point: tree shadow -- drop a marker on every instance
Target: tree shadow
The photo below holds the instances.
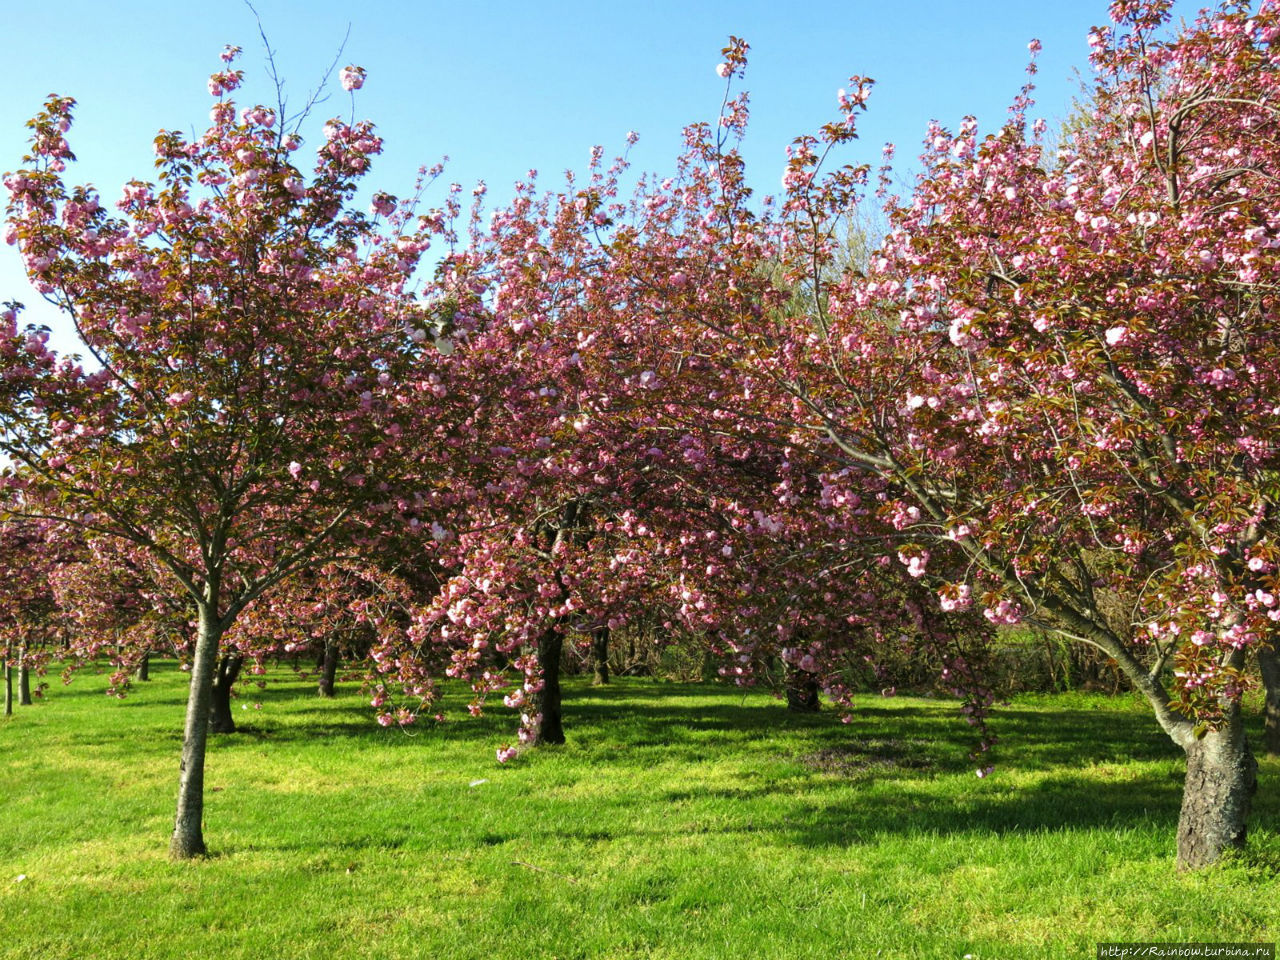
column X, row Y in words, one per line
column 803, row 779
column 1056, row 803
column 644, row 715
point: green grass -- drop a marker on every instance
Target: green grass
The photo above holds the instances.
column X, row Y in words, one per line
column 681, row 821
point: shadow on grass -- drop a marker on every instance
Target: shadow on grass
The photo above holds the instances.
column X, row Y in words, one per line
column 799, row 801
column 1056, row 803
column 805, row 779
column 848, row 815
column 836, row 817
column 648, row 714
column 612, row 723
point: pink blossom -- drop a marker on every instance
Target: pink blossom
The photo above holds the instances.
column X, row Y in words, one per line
column 352, row 77
column 955, row 598
column 915, row 562
column 1005, row 613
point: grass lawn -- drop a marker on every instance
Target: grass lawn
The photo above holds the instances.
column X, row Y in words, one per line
column 681, row 821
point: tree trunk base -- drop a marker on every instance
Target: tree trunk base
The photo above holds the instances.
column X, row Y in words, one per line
column 187, row 849
column 802, row 691
column 547, row 701
column 600, row 655
column 221, row 719
column 1221, row 781
column 24, row 686
column 328, row 670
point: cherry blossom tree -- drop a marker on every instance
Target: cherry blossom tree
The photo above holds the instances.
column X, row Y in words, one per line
column 631, row 492
column 1063, row 371
column 247, row 411
column 596, row 519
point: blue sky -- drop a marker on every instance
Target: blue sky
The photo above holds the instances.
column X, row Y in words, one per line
column 502, row 86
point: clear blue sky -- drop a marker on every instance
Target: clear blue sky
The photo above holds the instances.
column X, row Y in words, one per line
column 504, row 86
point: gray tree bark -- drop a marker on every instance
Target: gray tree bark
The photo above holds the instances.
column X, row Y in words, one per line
column 221, row 719
column 600, row 655
column 24, row 679
column 1221, row 780
column 328, row 668
column 188, row 834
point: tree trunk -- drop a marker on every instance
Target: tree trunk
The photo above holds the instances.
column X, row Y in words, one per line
column 1269, row 664
column 8, row 689
column 221, row 719
column 600, row 655
column 1221, row 780
column 24, row 679
column 188, row 834
column 329, row 668
column 547, row 700
column 802, row 690
column 1221, row 771
column 143, row 670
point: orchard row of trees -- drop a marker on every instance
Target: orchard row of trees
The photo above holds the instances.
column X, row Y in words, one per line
column 1050, row 396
